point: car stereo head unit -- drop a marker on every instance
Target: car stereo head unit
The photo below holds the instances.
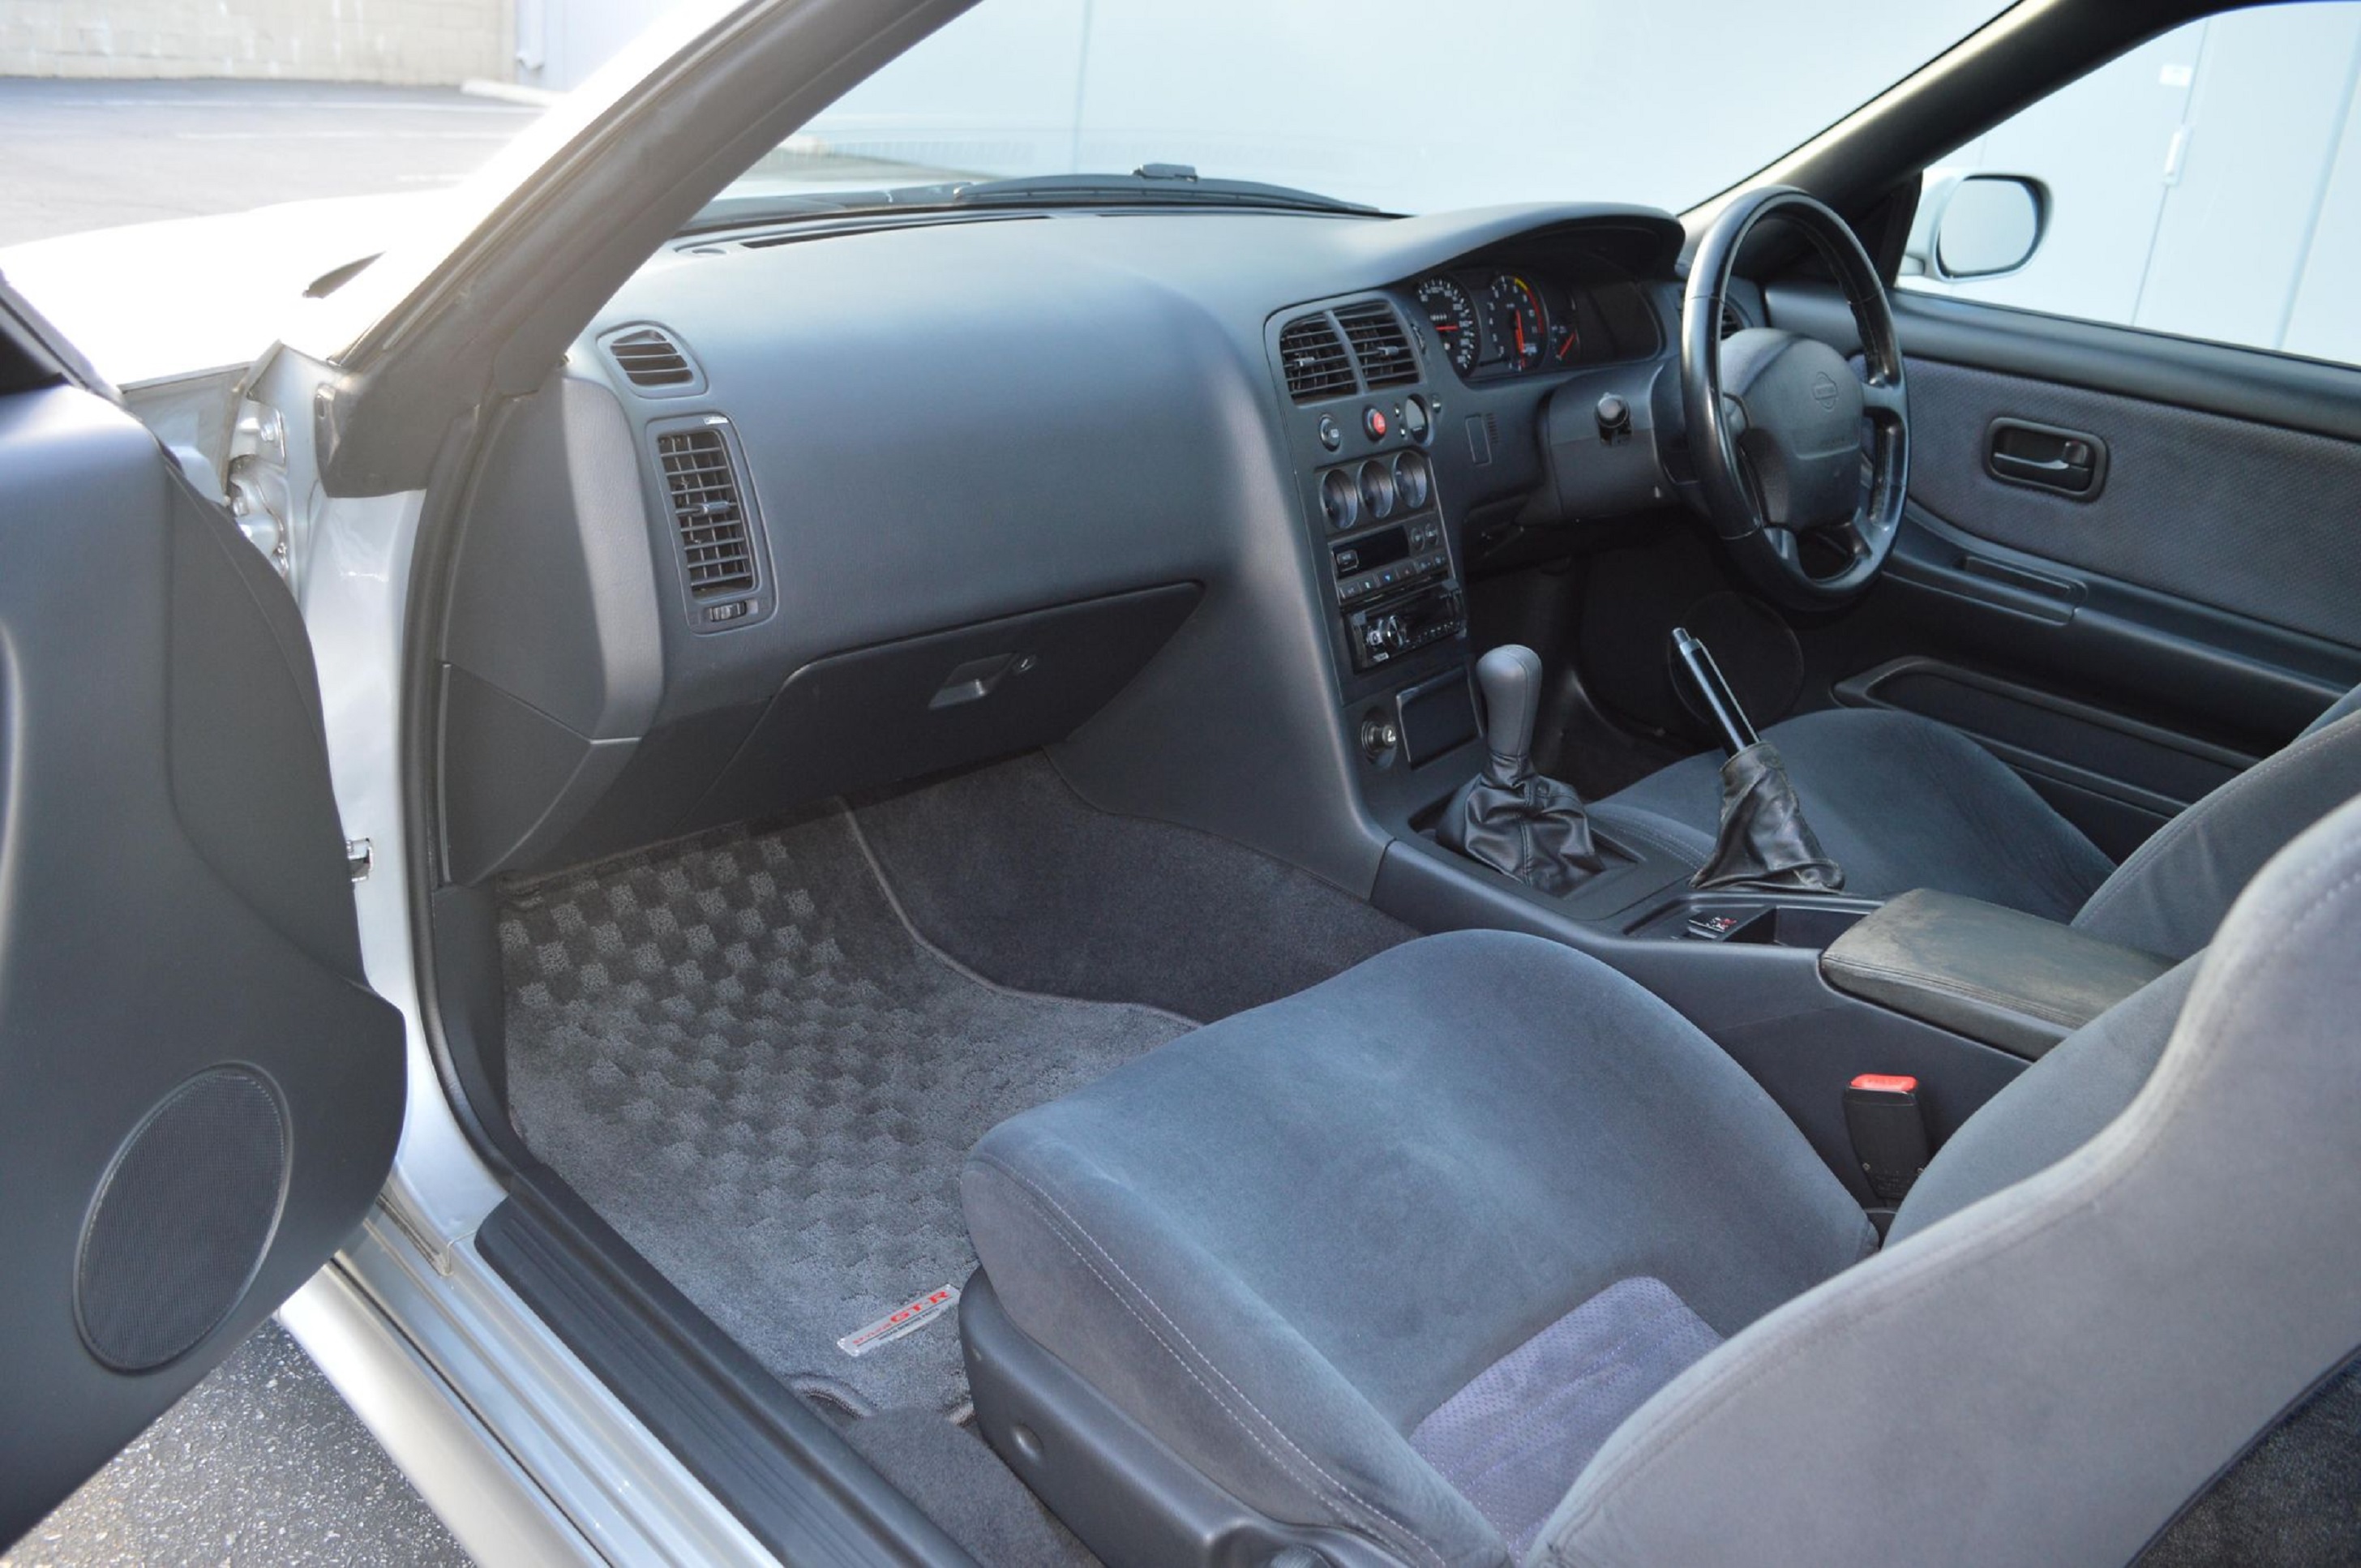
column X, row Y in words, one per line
column 1384, row 632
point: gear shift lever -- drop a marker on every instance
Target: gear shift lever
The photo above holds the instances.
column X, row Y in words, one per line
column 1511, row 676
column 1508, row 816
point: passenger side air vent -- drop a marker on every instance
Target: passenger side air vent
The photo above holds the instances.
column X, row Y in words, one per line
column 1317, row 365
column 716, row 550
column 648, row 358
column 1380, row 343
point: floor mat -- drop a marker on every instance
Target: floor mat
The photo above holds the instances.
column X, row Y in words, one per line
column 1008, row 869
column 737, row 1053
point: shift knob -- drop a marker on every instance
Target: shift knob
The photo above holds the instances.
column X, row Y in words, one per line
column 1510, row 675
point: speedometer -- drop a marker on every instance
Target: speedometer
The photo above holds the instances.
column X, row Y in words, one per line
column 1452, row 315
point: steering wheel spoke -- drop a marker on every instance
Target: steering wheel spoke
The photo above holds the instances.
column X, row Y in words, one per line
column 1882, row 402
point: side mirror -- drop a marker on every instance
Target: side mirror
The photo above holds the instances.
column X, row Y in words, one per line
column 1988, row 224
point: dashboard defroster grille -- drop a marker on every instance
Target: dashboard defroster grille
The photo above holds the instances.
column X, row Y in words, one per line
column 716, row 552
column 1380, row 343
column 1317, row 365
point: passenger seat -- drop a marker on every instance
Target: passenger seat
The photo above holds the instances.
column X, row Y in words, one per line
column 1479, row 1253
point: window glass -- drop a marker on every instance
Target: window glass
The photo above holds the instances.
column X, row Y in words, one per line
column 2207, row 184
column 1403, row 105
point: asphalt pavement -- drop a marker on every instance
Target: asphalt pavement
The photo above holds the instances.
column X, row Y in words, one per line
column 86, row 155
column 263, row 1463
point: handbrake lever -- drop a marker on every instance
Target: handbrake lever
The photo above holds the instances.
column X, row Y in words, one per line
column 1720, row 702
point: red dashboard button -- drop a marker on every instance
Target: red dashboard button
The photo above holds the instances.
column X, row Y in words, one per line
column 1374, row 422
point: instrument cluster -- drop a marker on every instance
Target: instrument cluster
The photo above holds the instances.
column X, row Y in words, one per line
column 1515, row 321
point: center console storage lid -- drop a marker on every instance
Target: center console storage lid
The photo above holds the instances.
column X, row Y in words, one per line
column 2010, row 979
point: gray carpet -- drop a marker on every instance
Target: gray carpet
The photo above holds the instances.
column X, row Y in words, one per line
column 1011, row 872
column 2294, row 1498
column 960, row 1483
column 740, row 1056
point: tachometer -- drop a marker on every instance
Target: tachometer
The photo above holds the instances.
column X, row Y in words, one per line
column 1452, row 315
column 1518, row 326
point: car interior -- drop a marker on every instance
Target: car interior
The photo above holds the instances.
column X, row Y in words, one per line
column 1018, row 693
column 1261, row 883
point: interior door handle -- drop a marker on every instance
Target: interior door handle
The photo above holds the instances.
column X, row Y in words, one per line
column 2069, row 462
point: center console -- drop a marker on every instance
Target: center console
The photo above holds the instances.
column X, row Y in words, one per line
column 1361, row 417
column 1811, row 991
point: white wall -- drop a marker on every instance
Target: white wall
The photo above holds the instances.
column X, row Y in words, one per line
column 410, row 41
column 560, row 42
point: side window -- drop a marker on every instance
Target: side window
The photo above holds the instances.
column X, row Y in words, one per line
column 2207, row 184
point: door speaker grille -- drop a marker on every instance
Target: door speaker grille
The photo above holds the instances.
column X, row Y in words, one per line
column 182, row 1220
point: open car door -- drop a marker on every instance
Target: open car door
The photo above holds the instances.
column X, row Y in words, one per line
column 199, row 1094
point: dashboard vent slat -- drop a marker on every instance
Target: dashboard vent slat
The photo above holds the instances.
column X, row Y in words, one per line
column 1380, row 344
column 1314, row 357
column 1732, row 322
column 649, row 357
column 716, row 552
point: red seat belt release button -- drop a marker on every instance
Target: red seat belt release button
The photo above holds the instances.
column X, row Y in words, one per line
column 1888, row 1131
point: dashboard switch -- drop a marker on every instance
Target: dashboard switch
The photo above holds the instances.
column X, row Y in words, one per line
column 1374, row 422
column 1332, row 435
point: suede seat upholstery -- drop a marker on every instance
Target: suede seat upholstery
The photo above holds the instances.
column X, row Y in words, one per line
column 1482, row 1206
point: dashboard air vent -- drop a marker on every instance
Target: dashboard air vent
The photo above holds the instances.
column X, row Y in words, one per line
column 1317, row 365
column 1380, row 343
column 1731, row 322
column 649, row 358
column 716, row 550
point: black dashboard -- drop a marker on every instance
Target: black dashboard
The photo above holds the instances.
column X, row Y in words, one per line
column 813, row 510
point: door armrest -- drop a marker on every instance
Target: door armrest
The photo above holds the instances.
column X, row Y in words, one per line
column 2010, row 979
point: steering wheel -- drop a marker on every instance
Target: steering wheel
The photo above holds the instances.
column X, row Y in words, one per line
column 1774, row 419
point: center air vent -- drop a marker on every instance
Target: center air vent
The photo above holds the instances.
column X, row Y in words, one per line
column 716, row 549
column 1317, row 365
column 649, row 357
column 1380, row 343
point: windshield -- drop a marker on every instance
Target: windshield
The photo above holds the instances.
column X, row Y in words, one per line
column 1400, row 104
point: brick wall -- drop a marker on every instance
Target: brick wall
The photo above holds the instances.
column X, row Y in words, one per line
column 413, row 41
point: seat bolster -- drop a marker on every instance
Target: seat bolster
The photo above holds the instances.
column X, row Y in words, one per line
column 1136, row 1318
column 2050, row 1374
column 2173, row 890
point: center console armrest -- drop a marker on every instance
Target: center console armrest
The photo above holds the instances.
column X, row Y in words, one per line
column 2010, row 979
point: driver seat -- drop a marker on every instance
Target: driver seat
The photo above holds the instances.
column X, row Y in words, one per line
column 1902, row 802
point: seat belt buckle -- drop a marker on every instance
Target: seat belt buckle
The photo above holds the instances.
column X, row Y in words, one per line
column 1889, row 1134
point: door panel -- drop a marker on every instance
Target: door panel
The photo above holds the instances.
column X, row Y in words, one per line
column 2129, row 648
column 2225, row 512
column 199, row 1095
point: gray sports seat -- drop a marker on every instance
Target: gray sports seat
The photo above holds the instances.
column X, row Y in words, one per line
column 1479, row 1251
column 1903, row 802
